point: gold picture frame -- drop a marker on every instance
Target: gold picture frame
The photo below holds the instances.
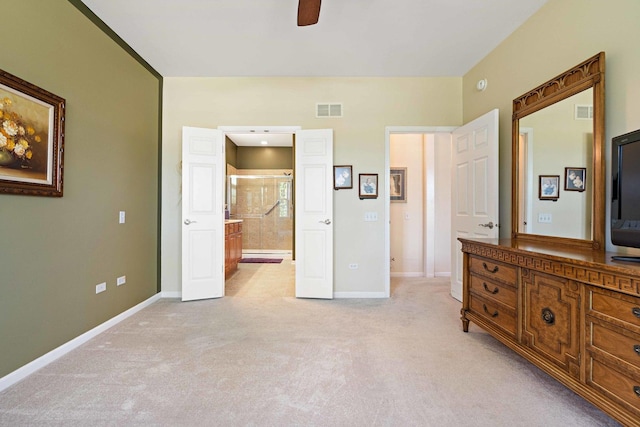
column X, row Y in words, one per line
column 31, row 138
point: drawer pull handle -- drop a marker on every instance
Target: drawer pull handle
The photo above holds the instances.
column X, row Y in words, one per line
column 548, row 317
column 494, row 314
column 636, row 348
column 636, row 311
column 486, row 288
column 496, row 268
column 636, row 390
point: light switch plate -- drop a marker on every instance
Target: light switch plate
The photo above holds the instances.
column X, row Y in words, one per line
column 370, row 216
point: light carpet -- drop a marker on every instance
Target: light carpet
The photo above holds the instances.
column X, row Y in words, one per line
column 265, row 360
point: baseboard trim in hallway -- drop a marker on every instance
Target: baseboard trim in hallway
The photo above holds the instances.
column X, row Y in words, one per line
column 42, row 361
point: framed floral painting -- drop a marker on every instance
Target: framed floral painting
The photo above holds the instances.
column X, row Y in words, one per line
column 31, row 138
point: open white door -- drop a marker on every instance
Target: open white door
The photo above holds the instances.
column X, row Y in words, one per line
column 474, row 187
column 314, row 213
column 203, row 163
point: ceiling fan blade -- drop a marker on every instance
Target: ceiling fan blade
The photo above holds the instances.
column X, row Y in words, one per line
column 308, row 12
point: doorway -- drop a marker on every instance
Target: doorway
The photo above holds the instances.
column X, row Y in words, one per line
column 259, row 192
column 425, row 152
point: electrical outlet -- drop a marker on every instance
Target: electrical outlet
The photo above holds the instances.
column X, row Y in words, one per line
column 121, row 217
column 101, row 287
column 353, row 266
column 121, row 280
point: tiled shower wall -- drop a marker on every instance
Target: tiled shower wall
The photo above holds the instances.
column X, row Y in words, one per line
column 264, row 204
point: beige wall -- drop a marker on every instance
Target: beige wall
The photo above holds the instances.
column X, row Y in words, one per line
column 560, row 35
column 370, row 104
column 55, row 250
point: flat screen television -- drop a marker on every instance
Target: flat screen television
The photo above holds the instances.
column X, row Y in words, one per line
column 625, row 192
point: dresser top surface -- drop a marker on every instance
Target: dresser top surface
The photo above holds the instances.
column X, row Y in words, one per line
column 560, row 253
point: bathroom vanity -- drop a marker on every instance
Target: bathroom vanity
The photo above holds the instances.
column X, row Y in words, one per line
column 232, row 246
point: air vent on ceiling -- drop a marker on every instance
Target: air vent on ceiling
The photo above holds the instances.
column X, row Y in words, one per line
column 584, row 112
column 328, row 110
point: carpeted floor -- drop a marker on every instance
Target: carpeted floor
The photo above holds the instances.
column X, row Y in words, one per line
column 259, row 357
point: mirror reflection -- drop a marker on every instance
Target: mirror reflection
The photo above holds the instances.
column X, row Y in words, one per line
column 555, row 169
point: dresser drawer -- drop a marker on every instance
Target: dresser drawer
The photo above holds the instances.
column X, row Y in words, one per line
column 624, row 347
column 493, row 290
column 496, row 270
column 621, row 386
column 618, row 308
column 495, row 313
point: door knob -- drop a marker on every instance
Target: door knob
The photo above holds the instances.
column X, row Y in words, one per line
column 326, row 221
column 188, row 221
column 488, row 225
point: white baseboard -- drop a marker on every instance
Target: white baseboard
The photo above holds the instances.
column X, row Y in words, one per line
column 359, row 295
column 443, row 274
column 42, row 361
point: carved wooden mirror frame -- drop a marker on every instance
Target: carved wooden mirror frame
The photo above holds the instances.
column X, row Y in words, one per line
column 588, row 74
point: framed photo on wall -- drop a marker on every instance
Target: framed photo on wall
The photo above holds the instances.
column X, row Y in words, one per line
column 398, row 185
column 368, row 185
column 342, row 177
column 575, row 179
column 31, row 138
column 549, row 187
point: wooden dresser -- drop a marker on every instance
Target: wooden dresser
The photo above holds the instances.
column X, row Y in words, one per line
column 232, row 246
column 574, row 313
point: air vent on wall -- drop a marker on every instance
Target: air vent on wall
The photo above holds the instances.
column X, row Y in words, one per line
column 584, row 112
column 328, row 110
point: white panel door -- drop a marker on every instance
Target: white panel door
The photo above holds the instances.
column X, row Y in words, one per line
column 203, row 163
column 474, row 187
column 314, row 213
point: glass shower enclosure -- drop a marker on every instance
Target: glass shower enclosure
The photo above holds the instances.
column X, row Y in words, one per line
column 264, row 204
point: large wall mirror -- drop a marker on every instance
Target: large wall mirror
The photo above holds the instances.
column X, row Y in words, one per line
column 558, row 166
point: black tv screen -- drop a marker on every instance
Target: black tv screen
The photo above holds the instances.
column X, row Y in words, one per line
column 625, row 190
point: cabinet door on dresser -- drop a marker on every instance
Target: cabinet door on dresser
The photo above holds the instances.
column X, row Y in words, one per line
column 613, row 346
column 551, row 319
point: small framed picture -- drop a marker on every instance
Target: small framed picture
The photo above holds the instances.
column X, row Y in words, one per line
column 574, row 179
column 342, row 177
column 368, row 188
column 398, row 185
column 549, row 187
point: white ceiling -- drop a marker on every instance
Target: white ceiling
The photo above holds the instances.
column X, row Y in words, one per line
column 242, row 139
column 214, row 38
column 211, row 38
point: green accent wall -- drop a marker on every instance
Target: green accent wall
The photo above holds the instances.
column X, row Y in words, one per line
column 264, row 158
column 56, row 250
column 231, row 152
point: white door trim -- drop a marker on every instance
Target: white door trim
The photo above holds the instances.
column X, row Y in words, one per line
column 429, row 188
column 258, row 130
